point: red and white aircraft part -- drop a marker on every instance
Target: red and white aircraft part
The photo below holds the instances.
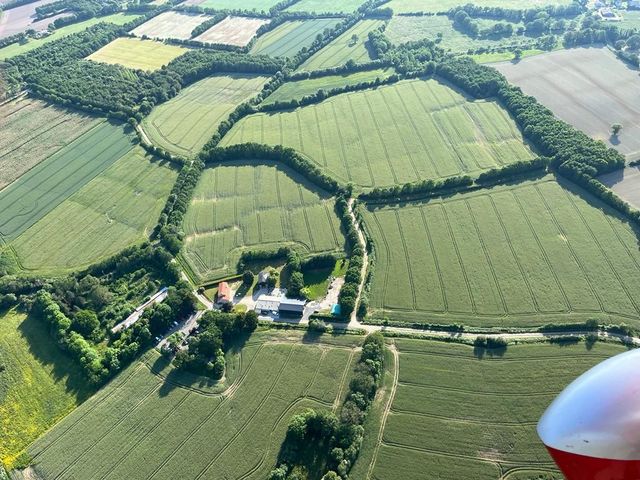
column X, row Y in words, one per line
column 592, row 430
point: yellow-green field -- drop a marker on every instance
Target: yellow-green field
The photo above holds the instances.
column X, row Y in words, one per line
column 243, row 206
column 186, row 122
column 19, row 48
column 344, row 48
column 137, row 54
column 116, row 209
column 38, row 384
column 455, row 412
column 409, row 131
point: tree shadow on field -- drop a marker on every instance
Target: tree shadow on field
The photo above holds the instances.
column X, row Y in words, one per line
column 600, row 205
column 45, row 351
column 179, row 379
column 481, row 352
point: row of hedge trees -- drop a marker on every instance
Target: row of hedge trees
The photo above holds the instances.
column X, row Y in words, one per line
column 348, row 297
column 321, row 434
column 573, row 154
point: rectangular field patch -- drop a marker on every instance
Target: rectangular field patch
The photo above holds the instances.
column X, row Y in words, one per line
column 116, row 209
column 52, row 181
column 236, row 31
column 288, row 39
column 325, row 6
column 351, row 45
column 137, row 54
column 517, row 256
column 186, row 122
column 32, row 130
column 170, row 25
column 442, row 6
column 256, row 5
column 587, row 87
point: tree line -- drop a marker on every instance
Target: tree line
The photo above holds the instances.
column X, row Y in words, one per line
column 335, row 440
column 217, row 331
column 348, row 296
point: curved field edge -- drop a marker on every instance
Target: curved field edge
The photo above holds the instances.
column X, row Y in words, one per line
column 279, row 377
column 259, row 206
column 405, row 132
column 39, row 385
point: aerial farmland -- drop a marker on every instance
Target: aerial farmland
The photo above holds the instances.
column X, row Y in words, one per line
column 312, row 239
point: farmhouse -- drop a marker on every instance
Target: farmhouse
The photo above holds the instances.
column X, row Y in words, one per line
column 607, row 14
column 224, row 293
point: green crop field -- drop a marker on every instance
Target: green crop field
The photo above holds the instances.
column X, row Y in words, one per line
column 32, row 130
column 325, row 6
column 20, row 48
column 301, row 88
column 140, row 426
column 344, row 48
column 289, row 38
column 457, row 414
column 117, row 208
column 245, row 206
column 137, row 54
column 394, row 134
column 257, row 5
column 38, row 384
column 515, row 256
column 435, row 6
column 185, row 123
column 403, row 29
column 53, row 180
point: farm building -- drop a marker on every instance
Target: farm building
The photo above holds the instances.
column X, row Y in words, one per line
column 290, row 307
column 266, row 304
column 224, row 293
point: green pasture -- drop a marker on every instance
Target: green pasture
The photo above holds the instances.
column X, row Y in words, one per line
column 186, row 122
column 462, row 413
column 33, row 130
column 137, row 54
column 516, row 256
column 402, row 29
column 38, row 384
column 317, row 281
column 257, row 5
column 344, row 48
column 20, row 48
column 435, row 6
column 116, row 209
column 55, row 179
column 325, row 6
column 409, row 131
column 186, row 427
column 244, row 206
column 288, row 39
column 301, row 88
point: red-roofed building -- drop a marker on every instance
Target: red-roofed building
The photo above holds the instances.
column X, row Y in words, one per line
column 224, row 293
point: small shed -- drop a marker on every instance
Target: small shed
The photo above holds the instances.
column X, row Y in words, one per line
column 263, row 278
column 224, row 293
column 291, row 307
